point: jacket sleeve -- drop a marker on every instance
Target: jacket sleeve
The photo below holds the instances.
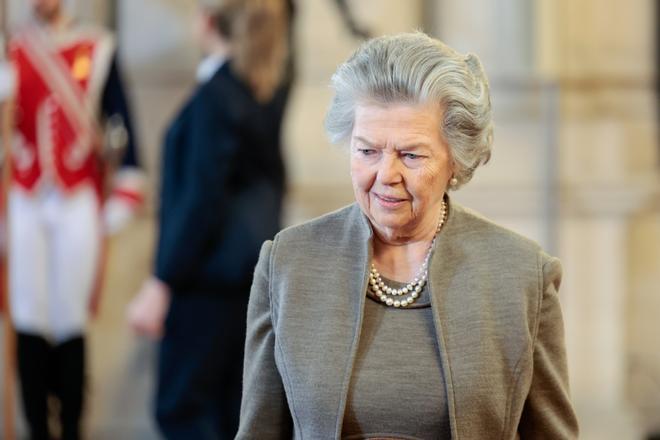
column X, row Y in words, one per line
column 201, row 206
column 548, row 412
column 114, row 103
column 264, row 410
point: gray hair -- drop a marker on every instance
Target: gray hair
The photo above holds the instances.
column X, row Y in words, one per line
column 415, row 68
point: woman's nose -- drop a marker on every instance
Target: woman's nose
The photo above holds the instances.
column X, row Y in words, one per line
column 389, row 171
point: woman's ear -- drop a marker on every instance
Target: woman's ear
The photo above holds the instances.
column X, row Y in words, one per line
column 453, row 181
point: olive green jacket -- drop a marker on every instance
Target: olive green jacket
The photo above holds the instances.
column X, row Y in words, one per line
column 497, row 318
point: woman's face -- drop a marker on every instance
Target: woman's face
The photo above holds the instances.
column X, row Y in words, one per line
column 400, row 168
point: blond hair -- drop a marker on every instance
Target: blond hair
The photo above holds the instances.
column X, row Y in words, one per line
column 257, row 31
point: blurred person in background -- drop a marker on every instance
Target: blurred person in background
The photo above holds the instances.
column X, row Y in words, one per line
column 221, row 195
column 406, row 315
column 62, row 84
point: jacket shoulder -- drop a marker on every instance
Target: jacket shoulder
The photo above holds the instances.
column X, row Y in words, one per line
column 74, row 34
column 499, row 248
column 327, row 240
column 213, row 95
column 326, row 228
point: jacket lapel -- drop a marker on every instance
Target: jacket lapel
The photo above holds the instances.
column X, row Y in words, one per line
column 470, row 310
column 440, row 277
column 361, row 235
column 317, row 348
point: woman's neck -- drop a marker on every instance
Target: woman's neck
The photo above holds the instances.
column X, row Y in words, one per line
column 400, row 262
column 399, row 257
column 217, row 47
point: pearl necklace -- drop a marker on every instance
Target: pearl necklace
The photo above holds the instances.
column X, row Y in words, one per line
column 411, row 290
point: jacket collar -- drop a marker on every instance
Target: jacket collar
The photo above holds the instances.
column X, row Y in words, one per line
column 208, row 67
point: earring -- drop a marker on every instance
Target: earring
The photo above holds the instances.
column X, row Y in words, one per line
column 453, row 182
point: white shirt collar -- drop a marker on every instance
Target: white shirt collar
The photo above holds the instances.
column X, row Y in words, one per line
column 208, row 66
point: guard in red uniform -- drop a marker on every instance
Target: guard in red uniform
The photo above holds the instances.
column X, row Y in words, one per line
column 66, row 87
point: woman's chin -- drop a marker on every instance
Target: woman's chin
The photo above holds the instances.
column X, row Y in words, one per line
column 390, row 224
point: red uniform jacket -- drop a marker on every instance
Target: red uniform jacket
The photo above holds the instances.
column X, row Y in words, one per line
column 59, row 82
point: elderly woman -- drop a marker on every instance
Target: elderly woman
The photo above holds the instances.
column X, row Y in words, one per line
column 406, row 315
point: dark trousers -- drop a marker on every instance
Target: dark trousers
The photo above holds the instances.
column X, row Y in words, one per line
column 200, row 367
column 46, row 370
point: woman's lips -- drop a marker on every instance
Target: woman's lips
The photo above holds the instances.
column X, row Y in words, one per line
column 389, row 201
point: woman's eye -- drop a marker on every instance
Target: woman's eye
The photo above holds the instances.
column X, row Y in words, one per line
column 366, row 151
column 411, row 156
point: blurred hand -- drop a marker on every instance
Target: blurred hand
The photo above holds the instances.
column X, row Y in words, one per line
column 117, row 213
column 125, row 199
column 147, row 311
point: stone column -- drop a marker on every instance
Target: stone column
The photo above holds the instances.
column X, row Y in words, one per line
column 609, row 176
column 593, row 150
column 594, row 243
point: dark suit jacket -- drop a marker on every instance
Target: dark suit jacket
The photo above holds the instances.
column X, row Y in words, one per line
column 222, row 185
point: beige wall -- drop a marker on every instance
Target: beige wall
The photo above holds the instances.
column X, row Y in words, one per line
column 601, row 51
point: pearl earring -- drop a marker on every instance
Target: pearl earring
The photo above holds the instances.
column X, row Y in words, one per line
column 453, row 182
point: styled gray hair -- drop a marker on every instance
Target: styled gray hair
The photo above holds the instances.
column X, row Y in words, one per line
column 417, row 69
